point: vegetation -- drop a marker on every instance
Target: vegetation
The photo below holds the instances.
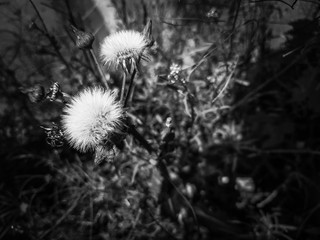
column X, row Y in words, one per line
column 218, row 138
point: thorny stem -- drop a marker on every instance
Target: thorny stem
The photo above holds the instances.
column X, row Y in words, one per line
column 103, row 78
column 130, row 88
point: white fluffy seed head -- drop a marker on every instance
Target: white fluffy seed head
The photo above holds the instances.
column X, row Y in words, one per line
column 91, row 118
column 124, row 48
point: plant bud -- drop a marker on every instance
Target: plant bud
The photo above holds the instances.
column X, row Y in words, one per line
column 83, row 40
column 147, row 33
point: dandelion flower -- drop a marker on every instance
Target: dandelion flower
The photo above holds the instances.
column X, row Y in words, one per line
column 92, row 118
column 124, row 48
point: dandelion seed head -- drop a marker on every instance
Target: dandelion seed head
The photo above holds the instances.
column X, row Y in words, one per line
column 91, row 118
column 124, row 48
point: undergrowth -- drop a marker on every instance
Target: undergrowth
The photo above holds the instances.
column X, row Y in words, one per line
column 219, row 136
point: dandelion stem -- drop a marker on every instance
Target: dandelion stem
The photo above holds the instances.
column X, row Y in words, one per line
column 103, row 78
column 123, row 86
column 130, row 88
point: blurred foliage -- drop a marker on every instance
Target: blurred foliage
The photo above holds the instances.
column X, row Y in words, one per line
column 245, row 117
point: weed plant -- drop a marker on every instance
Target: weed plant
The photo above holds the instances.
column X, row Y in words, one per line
column 184, row 124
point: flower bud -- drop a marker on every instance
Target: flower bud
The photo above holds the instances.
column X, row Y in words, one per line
column 147, row 33
column 83, row 40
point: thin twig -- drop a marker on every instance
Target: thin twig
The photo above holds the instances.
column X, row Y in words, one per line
column 292, row 151
column 70, row 12
column 103, row 78
column 134, row 224
column 264, row 84
column 293, row 4
column 268, row 199
column 10, row 75
column 39, row 16
column 225, row 86
column 306, row 219
column 234, row 25
column 91, row 217
column 284, row 2
column 85, row 53
column 236, row 15
column 49, row 36
column 60, row 220
column 130, row 87
column 124, row 11
column 211, row 49
column 164, row 170
column 161, row 226
column 132, row 130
